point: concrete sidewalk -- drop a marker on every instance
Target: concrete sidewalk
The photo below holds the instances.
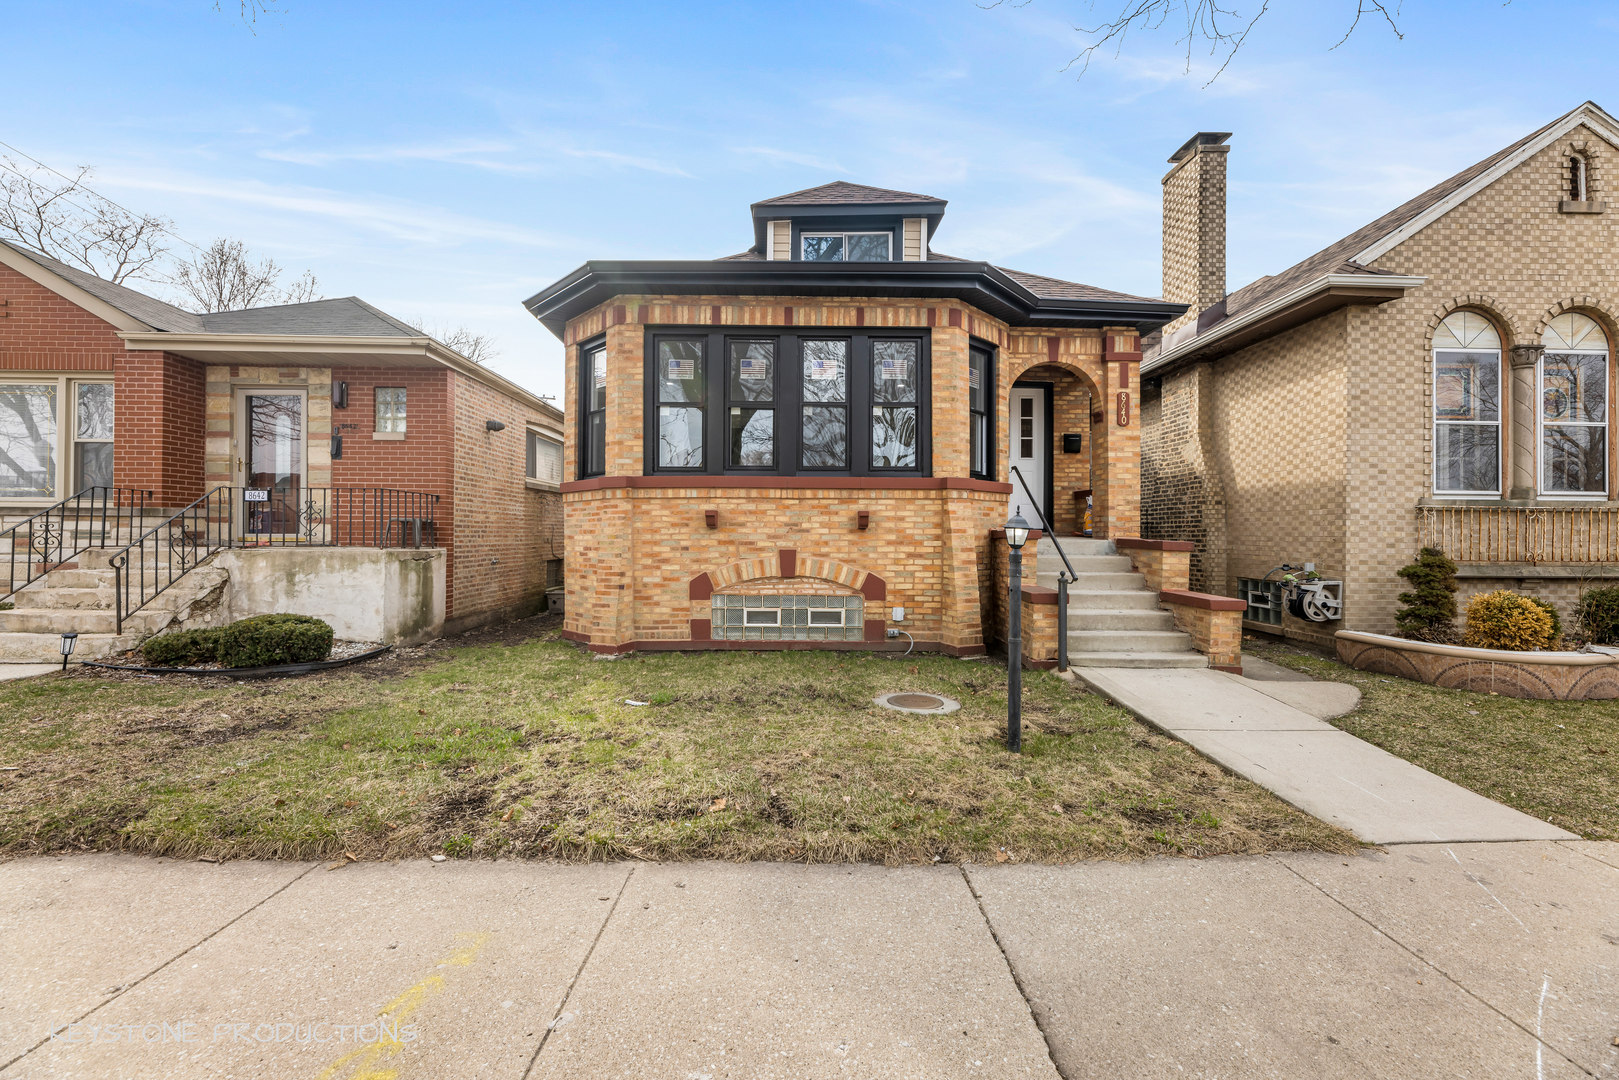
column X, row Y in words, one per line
column 1248, row 728
column 1497, row 960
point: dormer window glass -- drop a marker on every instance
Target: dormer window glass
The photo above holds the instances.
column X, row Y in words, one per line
column 847, row 247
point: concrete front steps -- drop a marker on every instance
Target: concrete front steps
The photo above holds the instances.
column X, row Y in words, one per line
column 1114, row 620
column 80, row 598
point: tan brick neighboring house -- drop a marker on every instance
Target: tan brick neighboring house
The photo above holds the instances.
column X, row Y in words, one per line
column 807, row 444
column 1440, row 376
column 280, row 432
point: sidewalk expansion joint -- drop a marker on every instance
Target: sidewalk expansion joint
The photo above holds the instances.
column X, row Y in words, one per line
column 573, row 982
column 1423, row 960
column 1017, row 981
column 177, row 956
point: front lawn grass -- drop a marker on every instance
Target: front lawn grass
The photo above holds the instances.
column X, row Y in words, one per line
column 1557, row 760
column 515, row 743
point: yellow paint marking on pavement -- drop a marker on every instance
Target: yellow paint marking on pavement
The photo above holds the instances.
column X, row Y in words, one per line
column 365, row 1062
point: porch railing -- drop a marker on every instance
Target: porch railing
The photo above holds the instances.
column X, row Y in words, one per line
column 92, row 518
column 235, row 517
column 1521, row 534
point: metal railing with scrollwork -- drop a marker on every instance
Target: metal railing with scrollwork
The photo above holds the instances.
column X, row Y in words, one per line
column 256, row 517
column 92, row 518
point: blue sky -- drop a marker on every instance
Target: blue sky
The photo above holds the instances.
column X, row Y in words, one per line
column 445, row 161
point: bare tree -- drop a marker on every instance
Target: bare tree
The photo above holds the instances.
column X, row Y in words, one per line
column 225, row 277
column 250, row 10
column 1223, row 29
column 58, row 215
column 474, row 346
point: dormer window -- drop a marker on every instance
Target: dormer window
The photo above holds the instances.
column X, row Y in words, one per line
column 847, row 247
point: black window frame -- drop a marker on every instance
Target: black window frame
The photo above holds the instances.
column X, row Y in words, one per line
column 583, row 465
column 989, row 411
column 788, row 399
column 893, row 226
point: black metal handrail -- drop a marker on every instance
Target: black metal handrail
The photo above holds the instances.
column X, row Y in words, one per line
column 294, row 517
column 91, row 517
column 1062, row 581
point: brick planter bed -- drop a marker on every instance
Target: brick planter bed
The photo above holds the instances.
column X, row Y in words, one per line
column 1557, row 676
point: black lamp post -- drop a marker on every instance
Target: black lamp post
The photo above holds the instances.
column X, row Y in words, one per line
column 1017, row 534
column 69, row 639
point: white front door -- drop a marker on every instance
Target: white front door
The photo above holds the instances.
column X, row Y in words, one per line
column 1030, row 452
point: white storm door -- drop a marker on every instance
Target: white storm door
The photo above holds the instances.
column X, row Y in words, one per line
column 1030, row 451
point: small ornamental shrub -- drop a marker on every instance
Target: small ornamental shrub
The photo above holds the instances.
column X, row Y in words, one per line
column 1557, row 620
column 1506, row 620
column 274, row 639
column 184, row 648
column 1598, row 614
column 1429, row 611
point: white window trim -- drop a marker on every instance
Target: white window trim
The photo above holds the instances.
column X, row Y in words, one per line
column 803, row 236
column 1540, row 429
column 1435, row 421
column 66, row 425
column 376, row 418
column 841, row 613
column 748, row 622
column 535, row 482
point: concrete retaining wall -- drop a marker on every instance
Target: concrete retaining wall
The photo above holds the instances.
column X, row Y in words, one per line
column 395, row 596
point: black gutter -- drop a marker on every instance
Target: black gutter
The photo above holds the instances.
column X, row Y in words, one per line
column 979, row 284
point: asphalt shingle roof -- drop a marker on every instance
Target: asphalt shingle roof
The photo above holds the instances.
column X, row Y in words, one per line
column 1336, row 258
column 347, row 316
column 843, row 193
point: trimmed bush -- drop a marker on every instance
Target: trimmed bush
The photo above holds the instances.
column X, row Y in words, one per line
column 1557, row 620
column 183, row 648
column 274, row 639
column 1598, row 614
column 1429, row 613
column 1506, row 620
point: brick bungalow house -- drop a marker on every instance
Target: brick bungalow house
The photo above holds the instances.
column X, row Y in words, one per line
column 1438, row 377
column 808, row 444
column 320, row 440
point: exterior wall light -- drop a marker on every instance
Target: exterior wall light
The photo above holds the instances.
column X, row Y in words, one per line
column 1017, row 534
column 493, row 425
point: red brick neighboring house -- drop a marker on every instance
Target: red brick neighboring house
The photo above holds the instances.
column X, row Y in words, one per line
column 348, row 426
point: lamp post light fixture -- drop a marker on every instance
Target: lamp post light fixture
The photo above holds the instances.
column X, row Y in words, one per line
column 1017, row 534
column 69, row 639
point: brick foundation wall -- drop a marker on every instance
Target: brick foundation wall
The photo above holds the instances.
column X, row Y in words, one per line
column 633, row 552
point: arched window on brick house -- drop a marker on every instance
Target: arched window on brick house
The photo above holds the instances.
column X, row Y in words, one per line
column 1574, row 407
column 1579, row 178
column 1466, row 406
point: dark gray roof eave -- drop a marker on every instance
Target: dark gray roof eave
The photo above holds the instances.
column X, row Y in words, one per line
column 983, row 285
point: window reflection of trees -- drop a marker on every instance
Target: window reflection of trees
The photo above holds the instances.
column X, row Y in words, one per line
column 27, row 440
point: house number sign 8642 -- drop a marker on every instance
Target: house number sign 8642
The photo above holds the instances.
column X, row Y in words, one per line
column 1122, row 409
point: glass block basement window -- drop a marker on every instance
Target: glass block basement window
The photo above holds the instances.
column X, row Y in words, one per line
column 1264, row 600
column 788, row 618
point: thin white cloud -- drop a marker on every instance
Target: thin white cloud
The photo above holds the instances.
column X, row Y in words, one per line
column 399, row 220
column 629, row 161
column 789, row 157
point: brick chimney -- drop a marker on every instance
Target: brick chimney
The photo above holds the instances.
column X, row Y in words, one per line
column 1194, row 225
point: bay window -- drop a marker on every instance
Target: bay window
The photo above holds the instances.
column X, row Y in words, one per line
column 980, row 392
column 1573, row 394
column 593, row 413
column 1467, row 406
column 787, row 404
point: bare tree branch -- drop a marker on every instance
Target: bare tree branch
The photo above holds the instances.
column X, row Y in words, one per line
column 474, row 346
column 1224, row 29
column 61, row 217
column 225, row 277
column 250, row 10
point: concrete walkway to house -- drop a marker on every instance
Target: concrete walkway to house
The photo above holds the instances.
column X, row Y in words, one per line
column 1270, row 730
column 25, row 671
column 1480, row 960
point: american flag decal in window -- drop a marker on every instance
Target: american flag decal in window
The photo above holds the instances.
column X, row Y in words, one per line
column 680, row 367
column 752, row 367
